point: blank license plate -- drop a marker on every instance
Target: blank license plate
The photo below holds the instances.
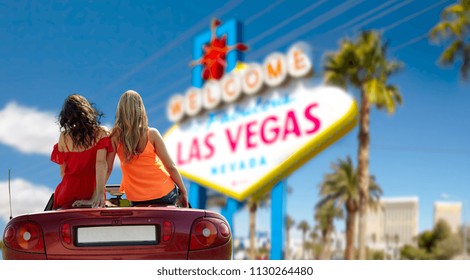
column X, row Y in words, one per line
column 117, row 235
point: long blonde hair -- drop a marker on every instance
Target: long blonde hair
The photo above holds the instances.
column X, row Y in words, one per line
column 131, row 124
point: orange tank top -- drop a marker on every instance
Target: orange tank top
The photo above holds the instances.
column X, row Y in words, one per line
column 144, row 177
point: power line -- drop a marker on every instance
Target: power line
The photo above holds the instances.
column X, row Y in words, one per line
column 410, row 42
column 263, row 12
column 304, row 28
column 382, row 14
column 429, row 150
column 174, row 43
column 183, row 62
column 269, row 31
column 312, row 24
column 288, row 38
column 249, row 20
column 412, row 16
column 290, row 19
column 364, row 15
column 284, row 23
column 415, row 149
column 417, row 38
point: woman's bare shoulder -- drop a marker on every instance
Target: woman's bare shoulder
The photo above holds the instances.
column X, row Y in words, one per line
column 154, row 133
column 61, row 143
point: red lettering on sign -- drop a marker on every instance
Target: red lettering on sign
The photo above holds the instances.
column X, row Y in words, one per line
column 312, row 118
column 209, row 146
column 274, row 132
column 196, row 152
column 249, row 135
column 291, row 125
column 271, row 129
column 179, row 160
column 233, row 142
column 252, row 134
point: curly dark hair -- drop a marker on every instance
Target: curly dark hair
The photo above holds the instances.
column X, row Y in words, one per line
column 80, row 120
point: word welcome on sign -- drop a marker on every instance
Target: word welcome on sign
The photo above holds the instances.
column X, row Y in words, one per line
column 250, row 80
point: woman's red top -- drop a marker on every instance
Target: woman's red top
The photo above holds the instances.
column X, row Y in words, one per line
column 79, row 179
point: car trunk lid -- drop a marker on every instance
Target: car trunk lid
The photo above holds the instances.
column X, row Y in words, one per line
column 118, row 233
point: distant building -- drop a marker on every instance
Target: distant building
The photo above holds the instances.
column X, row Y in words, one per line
column 393, row 224
column 451, row 212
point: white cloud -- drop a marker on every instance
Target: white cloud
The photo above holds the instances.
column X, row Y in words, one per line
column 27, row 129
column 30, row 131
column 26, row 198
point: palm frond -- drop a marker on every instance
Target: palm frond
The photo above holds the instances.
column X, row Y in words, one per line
column 393, row 67
column 340, row 187
column 335, row 79
column 374, row 90
column 465, row 4
column 452, row 11
column 448, row 55
column 441, row 31
column 455, row 24
column 289, row 221
column 303, row 226
column 392, row 97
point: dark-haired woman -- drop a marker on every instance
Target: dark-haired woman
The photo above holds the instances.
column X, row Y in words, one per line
column 84, row 155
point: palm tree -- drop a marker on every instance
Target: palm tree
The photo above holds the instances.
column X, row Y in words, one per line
column 253, row 204
column 363, row 65
column 324, row 216
column 304, row 227
column 315, row 246
column 289, row 224
column 455, row 26
column 252, row 208
column 342, row 187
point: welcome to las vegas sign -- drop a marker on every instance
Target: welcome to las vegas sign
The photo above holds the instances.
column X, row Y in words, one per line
column 255, row 126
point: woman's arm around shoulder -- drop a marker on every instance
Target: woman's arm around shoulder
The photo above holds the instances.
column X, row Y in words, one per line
column 110, row 155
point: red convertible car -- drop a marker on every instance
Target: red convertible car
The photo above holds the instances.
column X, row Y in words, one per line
column 118, row 232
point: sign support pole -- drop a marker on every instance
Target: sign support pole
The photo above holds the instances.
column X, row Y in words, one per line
column 229, row 210
column 278, row 218
column 197, row 196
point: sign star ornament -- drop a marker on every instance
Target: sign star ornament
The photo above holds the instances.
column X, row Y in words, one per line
column 249, row 129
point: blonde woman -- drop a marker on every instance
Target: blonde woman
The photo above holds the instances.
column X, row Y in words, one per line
column 149, row 175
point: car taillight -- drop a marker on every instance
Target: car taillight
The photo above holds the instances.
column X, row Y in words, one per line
column 208, row 232
column 24, row 236
column 167, row 231
column 66, row 233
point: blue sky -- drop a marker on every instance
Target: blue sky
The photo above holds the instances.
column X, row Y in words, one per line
column 101, row 48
